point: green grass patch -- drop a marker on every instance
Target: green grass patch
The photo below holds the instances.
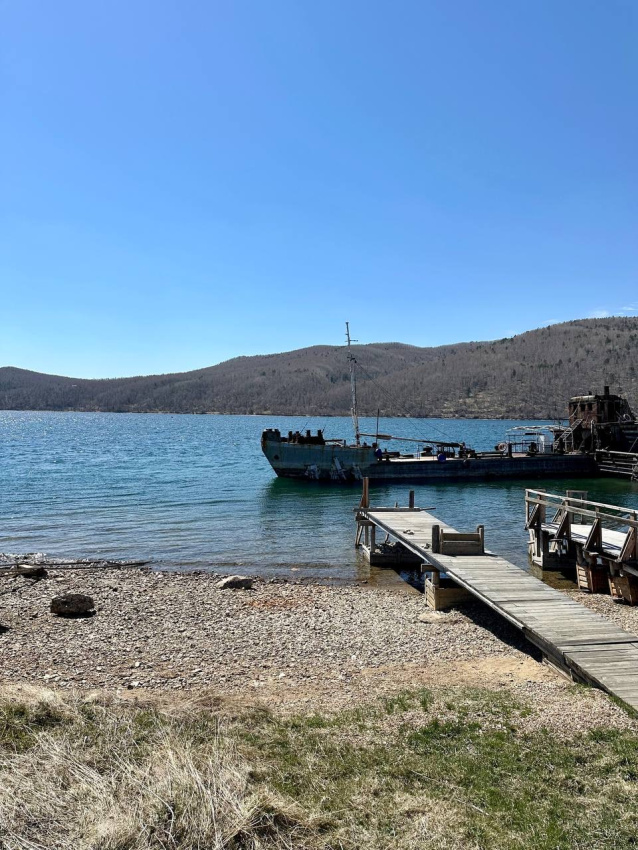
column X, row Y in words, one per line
column 20, row 724
column 503, row 789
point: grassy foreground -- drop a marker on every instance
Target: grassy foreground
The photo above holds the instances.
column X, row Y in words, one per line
column 420, row 770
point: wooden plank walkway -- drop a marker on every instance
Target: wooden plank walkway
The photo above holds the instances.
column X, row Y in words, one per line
column 589, row 646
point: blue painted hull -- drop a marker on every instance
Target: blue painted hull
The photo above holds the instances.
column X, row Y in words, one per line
column 339, row 463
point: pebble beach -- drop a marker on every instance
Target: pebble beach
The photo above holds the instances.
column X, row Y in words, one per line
column 289, row 645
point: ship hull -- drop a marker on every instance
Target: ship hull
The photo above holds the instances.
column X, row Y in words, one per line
column 343, row 464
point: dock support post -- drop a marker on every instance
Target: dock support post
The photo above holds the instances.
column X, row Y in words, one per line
column 411, row 500
column 536, row 514
column 364, row 504
column 365, row 498
column 436, row 538
column 432, row 586
column 443, row 593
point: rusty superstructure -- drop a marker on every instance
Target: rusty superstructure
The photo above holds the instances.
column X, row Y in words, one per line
column 601, row 423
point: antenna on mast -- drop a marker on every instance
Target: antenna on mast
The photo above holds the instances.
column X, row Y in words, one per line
column 353, row 387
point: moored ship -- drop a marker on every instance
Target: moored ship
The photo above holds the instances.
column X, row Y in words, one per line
column 312, row 458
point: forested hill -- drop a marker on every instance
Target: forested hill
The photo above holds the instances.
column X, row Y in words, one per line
column 526, row 376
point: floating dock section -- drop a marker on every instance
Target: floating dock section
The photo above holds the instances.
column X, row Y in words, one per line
column 585, row 645
column 599, row 540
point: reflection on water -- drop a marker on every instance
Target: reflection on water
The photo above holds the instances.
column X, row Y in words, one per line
column 196, row 491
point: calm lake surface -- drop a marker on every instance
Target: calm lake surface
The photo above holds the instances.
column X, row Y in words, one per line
column 196, row 492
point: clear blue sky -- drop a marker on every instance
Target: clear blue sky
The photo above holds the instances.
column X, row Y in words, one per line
column 183, row 182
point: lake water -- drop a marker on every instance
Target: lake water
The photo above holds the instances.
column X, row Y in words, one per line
column 196, row 492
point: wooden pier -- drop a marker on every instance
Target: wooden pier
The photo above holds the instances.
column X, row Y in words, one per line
column 585, row 645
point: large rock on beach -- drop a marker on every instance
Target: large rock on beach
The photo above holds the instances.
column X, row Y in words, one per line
column 72, row 605
column 235, row 583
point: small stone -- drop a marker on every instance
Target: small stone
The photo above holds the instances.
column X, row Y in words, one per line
column 235, row 583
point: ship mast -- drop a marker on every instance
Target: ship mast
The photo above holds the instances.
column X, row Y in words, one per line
column 353, row 387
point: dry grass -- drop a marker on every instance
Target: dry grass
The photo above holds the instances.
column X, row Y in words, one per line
column 447, row 770
column 117, row 777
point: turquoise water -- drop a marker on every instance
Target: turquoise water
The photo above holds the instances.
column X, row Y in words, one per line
column 196, row 492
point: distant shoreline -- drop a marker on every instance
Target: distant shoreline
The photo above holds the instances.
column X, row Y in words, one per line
column 284, row 415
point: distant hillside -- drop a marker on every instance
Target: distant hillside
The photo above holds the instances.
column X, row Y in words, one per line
column 526, row 376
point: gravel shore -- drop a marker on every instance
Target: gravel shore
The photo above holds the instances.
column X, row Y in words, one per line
column 173, row 631
column 290, row 646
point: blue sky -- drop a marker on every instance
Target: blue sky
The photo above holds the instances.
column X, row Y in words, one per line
column 187, row 182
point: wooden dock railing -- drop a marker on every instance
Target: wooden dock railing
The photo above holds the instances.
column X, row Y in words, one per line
column 599, row 539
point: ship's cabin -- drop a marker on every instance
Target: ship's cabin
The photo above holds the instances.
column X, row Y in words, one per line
column 528, row 440
column 599, row 409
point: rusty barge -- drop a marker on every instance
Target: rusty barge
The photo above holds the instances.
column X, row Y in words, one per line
column 310, row 457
